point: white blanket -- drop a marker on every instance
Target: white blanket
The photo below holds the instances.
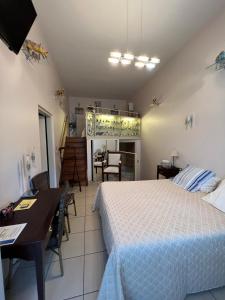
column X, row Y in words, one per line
column 163, row 242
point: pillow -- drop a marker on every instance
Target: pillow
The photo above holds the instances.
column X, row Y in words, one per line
column 217, row 198
column 191, row 178
column 210, row 185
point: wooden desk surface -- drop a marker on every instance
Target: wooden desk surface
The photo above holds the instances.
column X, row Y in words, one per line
column 38, row 217
column 32, row 241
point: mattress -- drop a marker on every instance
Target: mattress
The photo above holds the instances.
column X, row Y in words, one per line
column 163, row 242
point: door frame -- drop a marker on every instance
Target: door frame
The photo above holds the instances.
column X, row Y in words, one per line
column 137, row 145
column 50, row 144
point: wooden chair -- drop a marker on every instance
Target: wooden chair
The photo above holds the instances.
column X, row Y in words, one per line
column 99, row 160
column 55, row 240
column 69, row 200
column 41, row 181
column 112, row 165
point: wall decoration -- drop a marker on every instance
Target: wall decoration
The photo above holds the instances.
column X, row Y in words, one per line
column 34, row 51
column 60, row 93
column 189, row 121
column 155, row 102
column 219, row 61
column 60, row 96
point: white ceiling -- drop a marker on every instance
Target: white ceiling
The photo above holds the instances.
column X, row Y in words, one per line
column 81, row 33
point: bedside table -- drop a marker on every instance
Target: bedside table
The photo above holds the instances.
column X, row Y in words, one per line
column 167, row 172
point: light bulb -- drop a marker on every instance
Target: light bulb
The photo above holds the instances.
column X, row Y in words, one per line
column 113, row 60
column 125, row 61
column 128, row 56
column 143, row 58
column 150, row 66
column 139, row 64
column 155, row 60
column 115, row 54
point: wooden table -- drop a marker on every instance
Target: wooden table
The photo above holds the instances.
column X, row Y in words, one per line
column 32, row 241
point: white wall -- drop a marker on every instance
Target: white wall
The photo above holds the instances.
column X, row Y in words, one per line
column 106, row 103
column 186, row 86
column 23, row 87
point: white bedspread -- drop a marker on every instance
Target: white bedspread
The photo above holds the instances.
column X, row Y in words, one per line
column 163, row 242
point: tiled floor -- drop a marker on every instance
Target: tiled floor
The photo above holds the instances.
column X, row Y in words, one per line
column 84, row 259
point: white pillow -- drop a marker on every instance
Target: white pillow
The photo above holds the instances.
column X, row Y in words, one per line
column 217, row 198
column 210, row 185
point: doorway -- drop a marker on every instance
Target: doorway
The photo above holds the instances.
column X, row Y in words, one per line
column 127, row 150
column 99, row 147
column 43, row 142
column 47, row 154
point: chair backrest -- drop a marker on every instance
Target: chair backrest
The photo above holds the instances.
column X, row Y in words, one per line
column 58, row 224
column 40, row 181
column 113, row 158
column 61, row 220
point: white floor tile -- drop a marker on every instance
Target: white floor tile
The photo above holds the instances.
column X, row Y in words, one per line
column 72, row 248
column 26, row 263
column 68, row 286
column 90, row 198
column 80, row 201
column 219, row 294
column 200, row 296
column 92, row 296
column 71, row 210
column 23, row 285
column 94, row 242
column 89, row 209
column 91, row 192
column 80, row 208
column 77, row 224
column 31, row 264
column 92, row 222
column 80, row 196
column 94, row 268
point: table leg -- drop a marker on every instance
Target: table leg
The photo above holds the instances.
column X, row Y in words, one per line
column 39, row 264
column 2, row 290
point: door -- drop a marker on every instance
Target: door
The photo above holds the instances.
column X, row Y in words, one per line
column 43, row 142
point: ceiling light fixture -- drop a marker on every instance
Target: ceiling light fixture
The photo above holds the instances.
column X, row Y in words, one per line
column 155, row 60
column 125, row 61
column 150, row 66
column 139, row 61
column 139, row 64
column 143, row 58
column 115, row 54
column 127, row 58
column 113, row 60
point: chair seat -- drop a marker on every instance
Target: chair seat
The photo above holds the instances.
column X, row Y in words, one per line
column 111, row 170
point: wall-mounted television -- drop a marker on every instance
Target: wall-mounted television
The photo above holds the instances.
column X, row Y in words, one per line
column 16, row 19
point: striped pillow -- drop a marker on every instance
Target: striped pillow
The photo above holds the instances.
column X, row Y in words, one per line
column 191, row 178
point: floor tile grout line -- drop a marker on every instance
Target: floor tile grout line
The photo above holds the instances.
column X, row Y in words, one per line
column 86, row 231
column 84, row 240
column 212, row 295
column 74, row 297
column 72, row 257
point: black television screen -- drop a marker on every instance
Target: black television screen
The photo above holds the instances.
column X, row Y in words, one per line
column 16, row 19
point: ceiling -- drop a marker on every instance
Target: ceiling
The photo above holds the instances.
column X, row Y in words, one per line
column 81, row 34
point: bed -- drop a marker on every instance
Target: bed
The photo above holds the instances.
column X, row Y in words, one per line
column 163, row 242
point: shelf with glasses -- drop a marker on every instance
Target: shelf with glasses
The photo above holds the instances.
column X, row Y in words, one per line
column 112, row 125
